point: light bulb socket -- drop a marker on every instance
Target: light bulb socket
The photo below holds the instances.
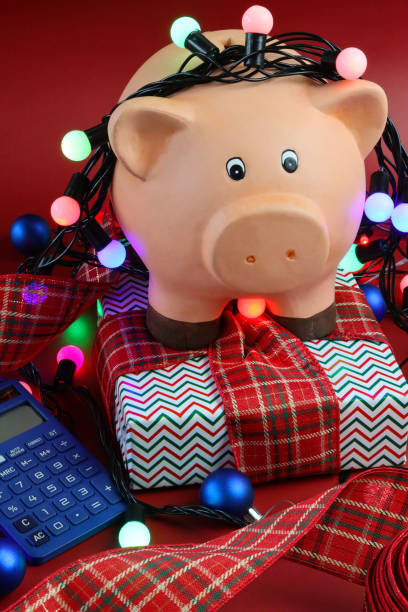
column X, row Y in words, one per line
column 379, row 182
column 373, row 250
column 98, row 135
column 403, row 190
column 65, row 373
column 196, row 42
column 255, row 42
column 78, row 187
column 135, row 512
column 328, row 61
column 95, row 234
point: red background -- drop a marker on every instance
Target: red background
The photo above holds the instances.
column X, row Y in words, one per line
column 64, row 65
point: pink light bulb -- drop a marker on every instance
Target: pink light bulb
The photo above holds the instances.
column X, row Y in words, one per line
column 251, row 307
column 351, row 63
column 257, row 20
column 65, row 210
column 404, row 282
column 73, row 353
column 26, row 386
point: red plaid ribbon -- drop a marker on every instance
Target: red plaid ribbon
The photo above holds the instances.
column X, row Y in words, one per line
column 341, row 531
column 281, row 410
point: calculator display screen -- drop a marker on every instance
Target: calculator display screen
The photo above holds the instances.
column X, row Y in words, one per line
column 17, row 420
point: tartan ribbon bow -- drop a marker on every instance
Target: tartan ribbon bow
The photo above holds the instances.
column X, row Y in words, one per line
column 339, row 531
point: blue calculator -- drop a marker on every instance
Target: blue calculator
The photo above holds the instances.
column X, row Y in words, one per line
column 53, row 492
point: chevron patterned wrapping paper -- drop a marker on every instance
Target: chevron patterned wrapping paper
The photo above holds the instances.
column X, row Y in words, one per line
column 171, row 425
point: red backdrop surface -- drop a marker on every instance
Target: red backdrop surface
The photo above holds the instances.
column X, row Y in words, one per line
column 64, row 65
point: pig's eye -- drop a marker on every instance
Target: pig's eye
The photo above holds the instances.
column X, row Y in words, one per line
column 236, row 168
column 289, row 160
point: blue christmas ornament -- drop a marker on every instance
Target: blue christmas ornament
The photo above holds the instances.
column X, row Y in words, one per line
column 30, row 234
column 12, row 566
column 375, row 300
column 228, row 490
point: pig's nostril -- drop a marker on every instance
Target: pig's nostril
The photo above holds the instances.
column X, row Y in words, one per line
column 290, row 254
column 251, row 259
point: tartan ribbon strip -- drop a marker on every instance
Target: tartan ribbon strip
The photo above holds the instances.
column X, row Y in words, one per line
column 342, row 530
column 281, row 410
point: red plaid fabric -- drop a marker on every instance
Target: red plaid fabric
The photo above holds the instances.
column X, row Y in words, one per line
column 281, row 410
column 205, row 576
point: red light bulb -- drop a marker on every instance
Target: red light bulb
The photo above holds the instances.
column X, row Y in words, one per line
column 364, row 240
column 404, row 282
column 351, row 63
column 257, row 20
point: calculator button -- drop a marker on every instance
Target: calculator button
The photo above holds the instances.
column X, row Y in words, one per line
column 64, row 502
column 25, row 524
column 75, row 456
column 8, row 472
column 35, row 442
column 45, row 453
column 2, row 459
column 106, row 488
column 96, row 505
column 11, row 510
column 38, row 475
column 63, row 444
column 38, row 538
column 83, row 492
column 31, row 499
column 57, row 526
column 88, row 469
column 4, row 495
column 51, row 488
column 45, row 512
column 16, row 452
column 20, row 485
column 53, row 433
column 26, row 463
column 70, row 479
column 77, row 516
column 57, row 466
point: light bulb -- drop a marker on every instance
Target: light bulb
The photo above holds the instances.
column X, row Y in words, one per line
column 113, row 255
column 251, row 307
column 73, row 353
column 257, row 20
column 75, row 145
column 99, row 308
column 351, row 63
column 134, row 533
column 364, row 240
column 26, row 386
column 399, row 217
column 65, row 210
column 181, row 28
column 404, row 282
column 378, row 207
column 350, row 262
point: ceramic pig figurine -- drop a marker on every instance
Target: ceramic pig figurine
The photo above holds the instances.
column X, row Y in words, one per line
column 239, row 190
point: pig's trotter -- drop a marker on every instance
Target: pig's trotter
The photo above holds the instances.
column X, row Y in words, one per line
column 311, row 328
column 181, row 335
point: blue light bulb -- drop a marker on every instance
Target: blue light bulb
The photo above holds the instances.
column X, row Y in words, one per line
column 399, row 217
column 375, row 300
column 113, row 255
column 378, row 207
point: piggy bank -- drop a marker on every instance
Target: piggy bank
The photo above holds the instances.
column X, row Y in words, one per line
column 241, row 190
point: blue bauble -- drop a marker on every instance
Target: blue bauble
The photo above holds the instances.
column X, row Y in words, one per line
column 12, row 566
column 229, row 490
column 30, row 234
column 375, row 300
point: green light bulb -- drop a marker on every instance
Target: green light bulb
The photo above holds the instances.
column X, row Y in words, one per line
column 350, row 262
column 75, row 145
column 134, row 533
column 181, row 28
column 99, row 308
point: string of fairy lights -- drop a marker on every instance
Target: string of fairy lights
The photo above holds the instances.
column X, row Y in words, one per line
column 75, row 212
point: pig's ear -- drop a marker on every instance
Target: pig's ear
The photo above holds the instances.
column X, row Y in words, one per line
column 139, row 130
column 360, row 105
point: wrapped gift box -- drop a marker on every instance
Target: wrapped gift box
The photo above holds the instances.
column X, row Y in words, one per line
column 171, row 425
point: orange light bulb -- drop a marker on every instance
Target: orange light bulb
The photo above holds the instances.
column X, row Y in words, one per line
column 251, row 307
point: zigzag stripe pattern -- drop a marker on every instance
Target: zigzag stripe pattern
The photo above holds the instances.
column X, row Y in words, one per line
column 373, row 399
column 171, row 424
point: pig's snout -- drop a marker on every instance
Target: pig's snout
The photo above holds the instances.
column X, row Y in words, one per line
column 266, row 245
